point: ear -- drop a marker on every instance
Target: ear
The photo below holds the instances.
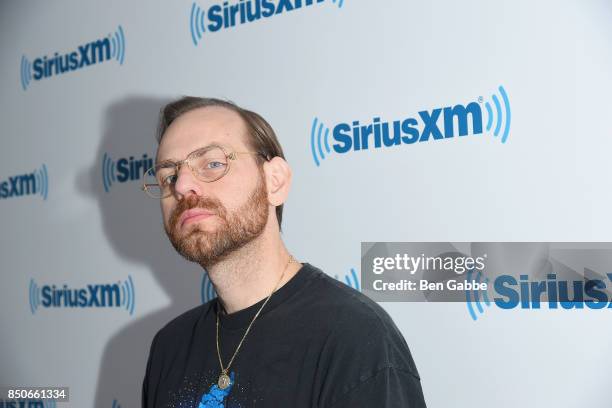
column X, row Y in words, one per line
column 278, row 180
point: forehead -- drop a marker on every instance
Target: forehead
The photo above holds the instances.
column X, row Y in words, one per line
column 201, row 127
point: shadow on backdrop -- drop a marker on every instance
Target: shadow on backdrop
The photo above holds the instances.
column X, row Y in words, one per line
column 133, row 226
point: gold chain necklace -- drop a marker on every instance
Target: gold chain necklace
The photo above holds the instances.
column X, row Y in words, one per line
column 224, row 379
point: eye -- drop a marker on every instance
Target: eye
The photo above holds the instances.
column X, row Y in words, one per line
column 214, row 165
column 168, row 180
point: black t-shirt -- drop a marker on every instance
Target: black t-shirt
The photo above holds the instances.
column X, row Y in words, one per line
column 317, row 343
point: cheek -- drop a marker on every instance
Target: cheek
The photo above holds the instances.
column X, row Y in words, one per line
column 235, row 196
column 166, row 210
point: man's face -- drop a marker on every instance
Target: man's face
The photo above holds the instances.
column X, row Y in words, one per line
column 237, row 203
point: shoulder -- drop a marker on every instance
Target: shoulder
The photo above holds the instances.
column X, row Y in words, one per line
column 364, row 354
column 348, row 307
column 179, row 327
column 388, row 387
column 360, row 327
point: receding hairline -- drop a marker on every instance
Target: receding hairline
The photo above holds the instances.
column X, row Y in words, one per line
column 243, row 134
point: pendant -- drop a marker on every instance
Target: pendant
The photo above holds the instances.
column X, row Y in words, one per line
column 224, row 381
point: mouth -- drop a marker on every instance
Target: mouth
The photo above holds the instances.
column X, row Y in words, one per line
column 191, row 216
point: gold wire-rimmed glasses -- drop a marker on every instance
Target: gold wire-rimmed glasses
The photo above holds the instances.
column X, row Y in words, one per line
column 207, row 164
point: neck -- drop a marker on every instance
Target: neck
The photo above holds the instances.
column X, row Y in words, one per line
column 249, row 274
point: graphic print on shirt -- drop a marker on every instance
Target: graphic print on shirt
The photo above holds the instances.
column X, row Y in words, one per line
column 215, row 396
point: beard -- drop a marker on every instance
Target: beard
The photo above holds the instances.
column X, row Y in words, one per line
column 235, row 229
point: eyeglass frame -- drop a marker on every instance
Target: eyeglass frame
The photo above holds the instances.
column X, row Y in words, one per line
column 230, row 156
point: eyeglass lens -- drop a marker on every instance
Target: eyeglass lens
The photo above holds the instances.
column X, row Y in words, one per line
column 208, row 164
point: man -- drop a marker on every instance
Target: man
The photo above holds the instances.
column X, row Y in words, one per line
column 280, row 333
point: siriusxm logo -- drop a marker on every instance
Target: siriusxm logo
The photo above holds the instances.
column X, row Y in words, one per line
column 226, row 15
column 350, row 279
column 531, row 294
column 123, row 169
column 95, row 52
column 428, row 125
column 111, row 295
column 207, row 290
column 28, row 403
column 34, row 183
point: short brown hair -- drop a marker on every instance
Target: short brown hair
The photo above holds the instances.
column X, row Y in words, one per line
column 261, row 135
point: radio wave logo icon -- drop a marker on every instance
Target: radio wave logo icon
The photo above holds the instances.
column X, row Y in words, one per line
column 34, row 296
column 207, row 290
column 116, row 295
column 124, row 169
column 351, row 279
column 128, row 295
column 442, row 123
column 26, row 72
column 117, row 45
column 472, row 297
column 197, row 25
column 319, row 139
column 28, row 184
column 42, row 181
column 108, row 172
column 225, row 15
column 105, row 48
column 499, row 116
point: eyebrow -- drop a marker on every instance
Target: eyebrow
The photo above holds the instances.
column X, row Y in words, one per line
column 213, row 143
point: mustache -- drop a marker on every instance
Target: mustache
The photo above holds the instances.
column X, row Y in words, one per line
column 205, row 203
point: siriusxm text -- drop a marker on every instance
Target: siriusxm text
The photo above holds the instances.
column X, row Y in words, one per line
column 567, row 294
column 133, row 169
column 17, row 186
column 104, row 295
column 455, row 120
column 225, row 15
column 85, row 55
column 22, row 404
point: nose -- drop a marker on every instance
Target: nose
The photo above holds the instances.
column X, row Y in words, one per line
column 186, row 183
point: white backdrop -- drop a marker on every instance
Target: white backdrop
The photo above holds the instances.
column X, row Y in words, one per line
column 343, row 61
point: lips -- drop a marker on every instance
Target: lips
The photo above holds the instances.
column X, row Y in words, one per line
column 193, row 215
